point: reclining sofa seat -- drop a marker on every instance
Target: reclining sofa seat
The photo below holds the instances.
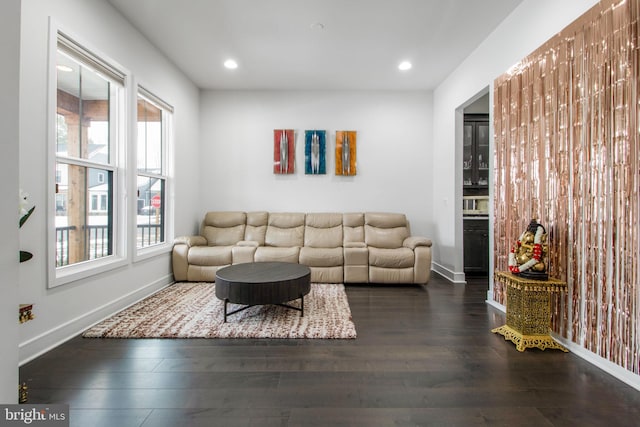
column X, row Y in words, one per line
column 322, row 250
column 338, row 248
column 219, row 233
column 395, row 256
column 283, row 239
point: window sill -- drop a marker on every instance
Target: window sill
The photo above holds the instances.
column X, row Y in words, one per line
column 152, row 251
column 72, row 273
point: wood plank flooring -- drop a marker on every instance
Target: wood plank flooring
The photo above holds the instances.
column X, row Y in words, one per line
column 424, row 356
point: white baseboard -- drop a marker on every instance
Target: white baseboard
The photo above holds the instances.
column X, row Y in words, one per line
column 452, row 276
column 609, row 367
column 496, row 305
column 52, row 338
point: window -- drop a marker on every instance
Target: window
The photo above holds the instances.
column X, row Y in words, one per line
column 154, row 119
column 89, row 96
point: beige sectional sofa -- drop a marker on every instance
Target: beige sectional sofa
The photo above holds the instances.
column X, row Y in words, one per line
column 368, row 247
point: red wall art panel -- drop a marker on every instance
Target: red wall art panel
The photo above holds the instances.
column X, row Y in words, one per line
column 283, row 151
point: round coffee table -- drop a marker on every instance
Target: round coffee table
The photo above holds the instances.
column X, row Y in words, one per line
column 262, row 283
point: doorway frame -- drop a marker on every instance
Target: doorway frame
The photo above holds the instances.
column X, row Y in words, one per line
column 459, row 136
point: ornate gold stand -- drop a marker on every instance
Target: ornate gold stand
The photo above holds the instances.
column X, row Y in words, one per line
column 529, row 311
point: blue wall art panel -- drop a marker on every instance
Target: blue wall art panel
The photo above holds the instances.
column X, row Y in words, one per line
column 315, row 152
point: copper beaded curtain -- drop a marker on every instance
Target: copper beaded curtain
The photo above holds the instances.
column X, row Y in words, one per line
column 567, row 153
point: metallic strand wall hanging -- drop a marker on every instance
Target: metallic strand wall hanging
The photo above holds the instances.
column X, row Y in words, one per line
column 315, row 152
column 566, row 123
column 283, row 151
column 346, row 152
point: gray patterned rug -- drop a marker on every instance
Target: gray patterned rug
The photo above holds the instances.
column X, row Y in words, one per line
column 191, row 310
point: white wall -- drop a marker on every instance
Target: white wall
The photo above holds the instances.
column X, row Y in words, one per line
column 394, row 152
column 528, row 27
column 9, row 78
column 66, row 310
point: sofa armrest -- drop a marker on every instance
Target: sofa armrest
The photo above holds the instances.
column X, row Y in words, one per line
column 412, row 242
column 190, row 241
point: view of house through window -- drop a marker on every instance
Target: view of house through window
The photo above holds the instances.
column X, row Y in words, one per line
column 89, row 161
column 151, row 160
column 84, row 169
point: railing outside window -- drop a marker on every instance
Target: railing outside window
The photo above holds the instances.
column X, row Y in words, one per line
column 98, row 240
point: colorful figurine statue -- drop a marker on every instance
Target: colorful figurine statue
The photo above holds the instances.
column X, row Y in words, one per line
column 528, row 258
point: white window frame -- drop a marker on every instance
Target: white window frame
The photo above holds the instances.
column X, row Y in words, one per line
column 61, row 275
column 167, row 165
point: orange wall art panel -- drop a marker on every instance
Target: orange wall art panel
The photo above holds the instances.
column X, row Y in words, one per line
column 346, row 152
column 283, row 151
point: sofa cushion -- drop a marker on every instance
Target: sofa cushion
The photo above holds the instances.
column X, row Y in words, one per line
column 209, row 255
column 391, row 258
column 223, row 228
column 321, row 257
column 224, row 219
column 285, row 230
column 385, row 230
column 323, row 220
column 385, row 220
column 353, row 228
column 256, row 227
column 269, row 253
column 323, row 230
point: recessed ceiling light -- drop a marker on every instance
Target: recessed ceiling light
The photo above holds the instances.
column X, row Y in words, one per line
column 404, row 66
column 64, row 68
column 231, row 64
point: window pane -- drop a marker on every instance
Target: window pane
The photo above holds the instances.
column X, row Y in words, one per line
column 82, row 111
column 150, row 211
column 84, row 227
column 149, row 137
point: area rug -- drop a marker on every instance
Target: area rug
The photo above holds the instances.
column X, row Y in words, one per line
column 191, row 310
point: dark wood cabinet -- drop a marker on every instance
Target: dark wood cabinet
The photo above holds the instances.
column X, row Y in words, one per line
column 476, row 246
column 475, row 155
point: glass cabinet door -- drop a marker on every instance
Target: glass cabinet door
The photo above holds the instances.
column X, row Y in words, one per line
column 475, row 152
column 482, row 151
column 467, row 155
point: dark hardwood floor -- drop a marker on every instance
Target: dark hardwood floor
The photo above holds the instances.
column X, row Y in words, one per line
column 424, row 356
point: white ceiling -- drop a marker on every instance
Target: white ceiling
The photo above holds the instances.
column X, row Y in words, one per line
column 277, row 45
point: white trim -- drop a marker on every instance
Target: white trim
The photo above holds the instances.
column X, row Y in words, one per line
column 496, row 305
column 52, row 338
column 59, row 276
column 140, row 91
column 609, row 367
column 152, row 251
column 452, row 276
column 154, row 99
column 82, row 270
column 99, row 63
column 52, row 80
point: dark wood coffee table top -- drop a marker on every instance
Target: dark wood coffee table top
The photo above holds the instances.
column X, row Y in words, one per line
column 262, row 272
column 258, row 283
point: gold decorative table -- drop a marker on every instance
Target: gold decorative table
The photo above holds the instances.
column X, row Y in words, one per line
column 529, row 311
